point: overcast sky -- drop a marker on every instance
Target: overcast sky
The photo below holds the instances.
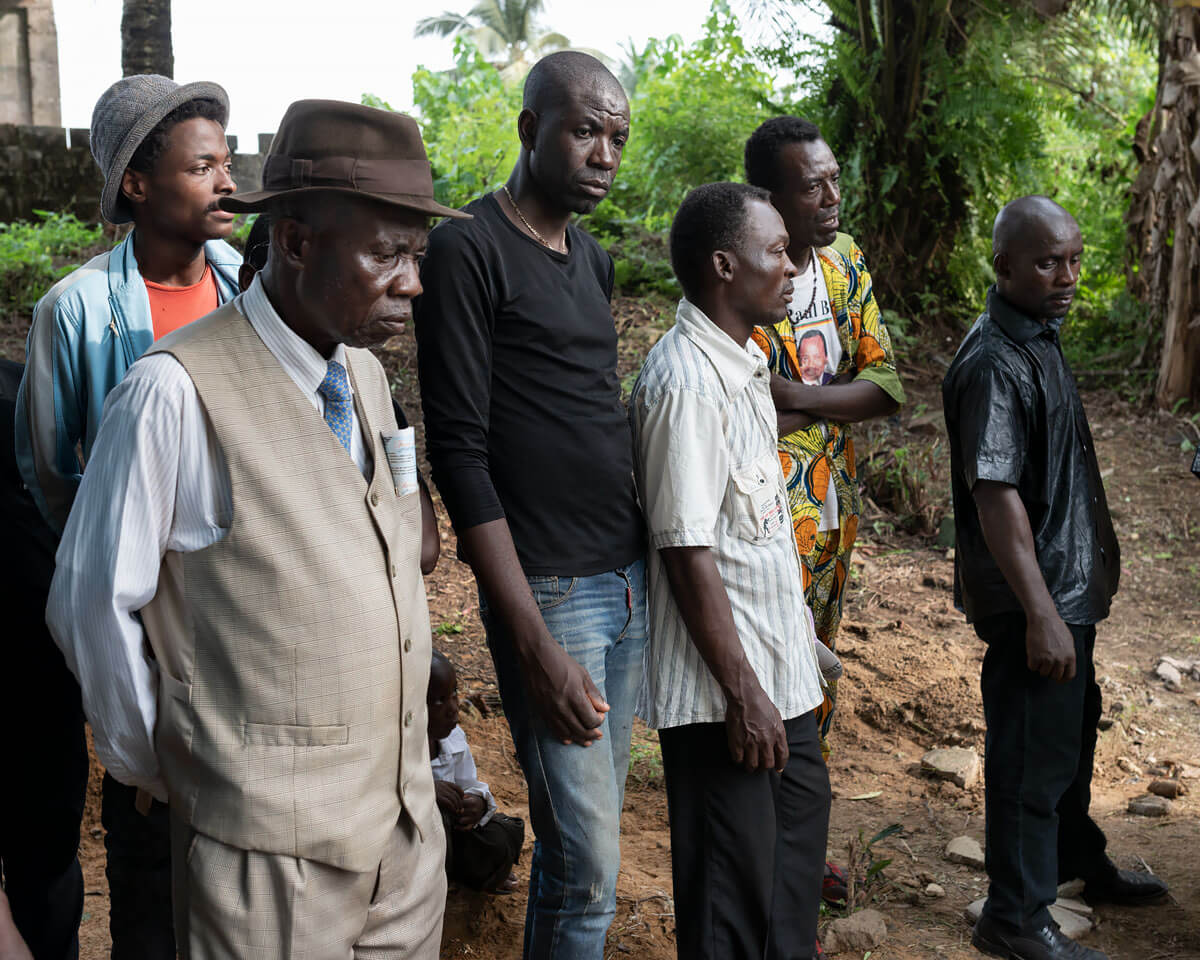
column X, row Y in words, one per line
column 267, row 53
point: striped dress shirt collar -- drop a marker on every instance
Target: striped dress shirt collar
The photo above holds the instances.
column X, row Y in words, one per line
column 301, row 361
column 734, row 365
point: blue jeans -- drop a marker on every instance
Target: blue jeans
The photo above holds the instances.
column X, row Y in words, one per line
column 576, row 793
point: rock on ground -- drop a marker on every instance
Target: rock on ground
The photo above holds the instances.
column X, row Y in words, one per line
column 1172, row 679
column 1070, row 889
column 965, row 850
column 1150, row 806
column 860, row 931
column 958, row 764
column 1168, row 788
column 935, row 891
column 1075, row 906
column 1069, row 922
column 1068, row 914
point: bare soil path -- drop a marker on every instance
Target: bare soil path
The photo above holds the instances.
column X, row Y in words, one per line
column 912, row 671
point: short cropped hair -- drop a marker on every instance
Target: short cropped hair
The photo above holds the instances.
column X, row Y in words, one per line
column 711, row 217
column 145, row 158
column 761, row 157
column 557, row 75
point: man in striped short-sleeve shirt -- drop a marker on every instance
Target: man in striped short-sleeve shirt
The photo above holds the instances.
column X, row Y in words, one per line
column 732, row 678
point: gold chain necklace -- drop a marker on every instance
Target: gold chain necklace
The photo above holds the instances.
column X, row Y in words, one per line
column 528, row 226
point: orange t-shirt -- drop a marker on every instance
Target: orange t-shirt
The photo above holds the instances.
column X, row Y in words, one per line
column 174, row 307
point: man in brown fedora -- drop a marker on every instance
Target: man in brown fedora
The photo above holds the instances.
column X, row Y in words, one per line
column 250, row 487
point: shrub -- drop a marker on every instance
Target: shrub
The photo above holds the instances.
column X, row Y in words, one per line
column 33, row 256
column 468, row 119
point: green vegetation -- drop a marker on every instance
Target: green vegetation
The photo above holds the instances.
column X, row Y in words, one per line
column 939, row 111
column 33, row 256
column 934, row 131
column 645, row 760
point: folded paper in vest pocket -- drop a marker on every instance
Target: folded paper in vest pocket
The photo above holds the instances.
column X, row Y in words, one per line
column 401, row 450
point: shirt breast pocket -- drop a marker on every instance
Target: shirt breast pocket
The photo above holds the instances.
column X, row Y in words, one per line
column 756, row 505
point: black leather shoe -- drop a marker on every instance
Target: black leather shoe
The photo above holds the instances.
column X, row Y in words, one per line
column 1044, row 943
column 1127, row 887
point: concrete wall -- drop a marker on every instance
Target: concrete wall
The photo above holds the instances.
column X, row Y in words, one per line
column 28, row 63
column 38, row 171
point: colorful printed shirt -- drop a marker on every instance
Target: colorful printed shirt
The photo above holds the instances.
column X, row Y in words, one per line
column 814, row 454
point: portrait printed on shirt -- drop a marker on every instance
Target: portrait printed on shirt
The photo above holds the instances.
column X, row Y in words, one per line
column 818, row 348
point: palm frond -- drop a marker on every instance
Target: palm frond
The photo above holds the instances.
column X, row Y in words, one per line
column 549, row 42
column 1145, row 18
column 444, row 25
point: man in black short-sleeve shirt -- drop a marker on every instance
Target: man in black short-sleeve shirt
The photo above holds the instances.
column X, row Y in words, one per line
column 1036, row 567
column 530, row 447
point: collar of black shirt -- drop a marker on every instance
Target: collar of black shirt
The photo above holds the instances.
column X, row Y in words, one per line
column 1019, row 327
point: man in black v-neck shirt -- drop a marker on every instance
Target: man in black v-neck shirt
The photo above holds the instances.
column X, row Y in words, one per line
column 530, row 447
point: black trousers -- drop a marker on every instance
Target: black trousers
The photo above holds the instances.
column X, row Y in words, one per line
column 1041, row 743
column 482, row 858
column 138, row 867
column 43, row 756
column 747, row 849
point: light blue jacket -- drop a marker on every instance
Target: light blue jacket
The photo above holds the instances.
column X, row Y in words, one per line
column 87, row 331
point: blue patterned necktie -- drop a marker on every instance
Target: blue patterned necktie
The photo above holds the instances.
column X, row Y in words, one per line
column 339, row 402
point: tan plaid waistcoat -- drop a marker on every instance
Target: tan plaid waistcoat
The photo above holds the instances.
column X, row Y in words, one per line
column 294, row 652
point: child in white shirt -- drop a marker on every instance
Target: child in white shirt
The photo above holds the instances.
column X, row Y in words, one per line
column 481, row 844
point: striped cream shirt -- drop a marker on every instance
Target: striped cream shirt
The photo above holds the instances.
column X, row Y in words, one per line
column 708, row 475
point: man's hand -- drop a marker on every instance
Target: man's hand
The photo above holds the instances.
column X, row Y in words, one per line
column 565, row 694
column 473, row 809
column 754, row 727
column 449, row 797
column 556, row 684
column 1050, row 648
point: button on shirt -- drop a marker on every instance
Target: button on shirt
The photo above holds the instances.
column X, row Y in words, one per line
column 156, row 481
column 708, row 475
column 1014, row 416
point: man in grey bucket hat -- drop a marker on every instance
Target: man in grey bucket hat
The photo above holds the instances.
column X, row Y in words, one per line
column 161, row 147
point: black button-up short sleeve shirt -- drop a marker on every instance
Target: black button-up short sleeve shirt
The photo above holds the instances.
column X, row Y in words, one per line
column 1014, row 416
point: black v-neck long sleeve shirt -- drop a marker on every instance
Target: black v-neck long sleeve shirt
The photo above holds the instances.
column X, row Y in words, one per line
column 517, row 355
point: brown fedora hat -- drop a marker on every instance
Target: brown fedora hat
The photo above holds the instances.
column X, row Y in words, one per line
column 331, row 146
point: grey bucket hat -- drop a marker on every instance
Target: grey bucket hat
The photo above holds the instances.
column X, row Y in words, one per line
column 125, row 114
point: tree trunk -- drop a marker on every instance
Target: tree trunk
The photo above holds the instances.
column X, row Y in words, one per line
column 146, row 38
column 1164, row 215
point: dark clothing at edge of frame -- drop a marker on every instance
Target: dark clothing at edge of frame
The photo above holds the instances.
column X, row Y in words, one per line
column 43, row 755
column 523, row 414
column 1014, row 415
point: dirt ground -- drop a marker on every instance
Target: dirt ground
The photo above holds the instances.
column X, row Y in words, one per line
column 911, row 683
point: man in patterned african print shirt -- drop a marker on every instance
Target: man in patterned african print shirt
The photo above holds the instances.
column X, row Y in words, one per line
column 833, row 302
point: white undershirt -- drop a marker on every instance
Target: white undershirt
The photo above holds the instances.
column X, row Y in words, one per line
column 157, row 481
